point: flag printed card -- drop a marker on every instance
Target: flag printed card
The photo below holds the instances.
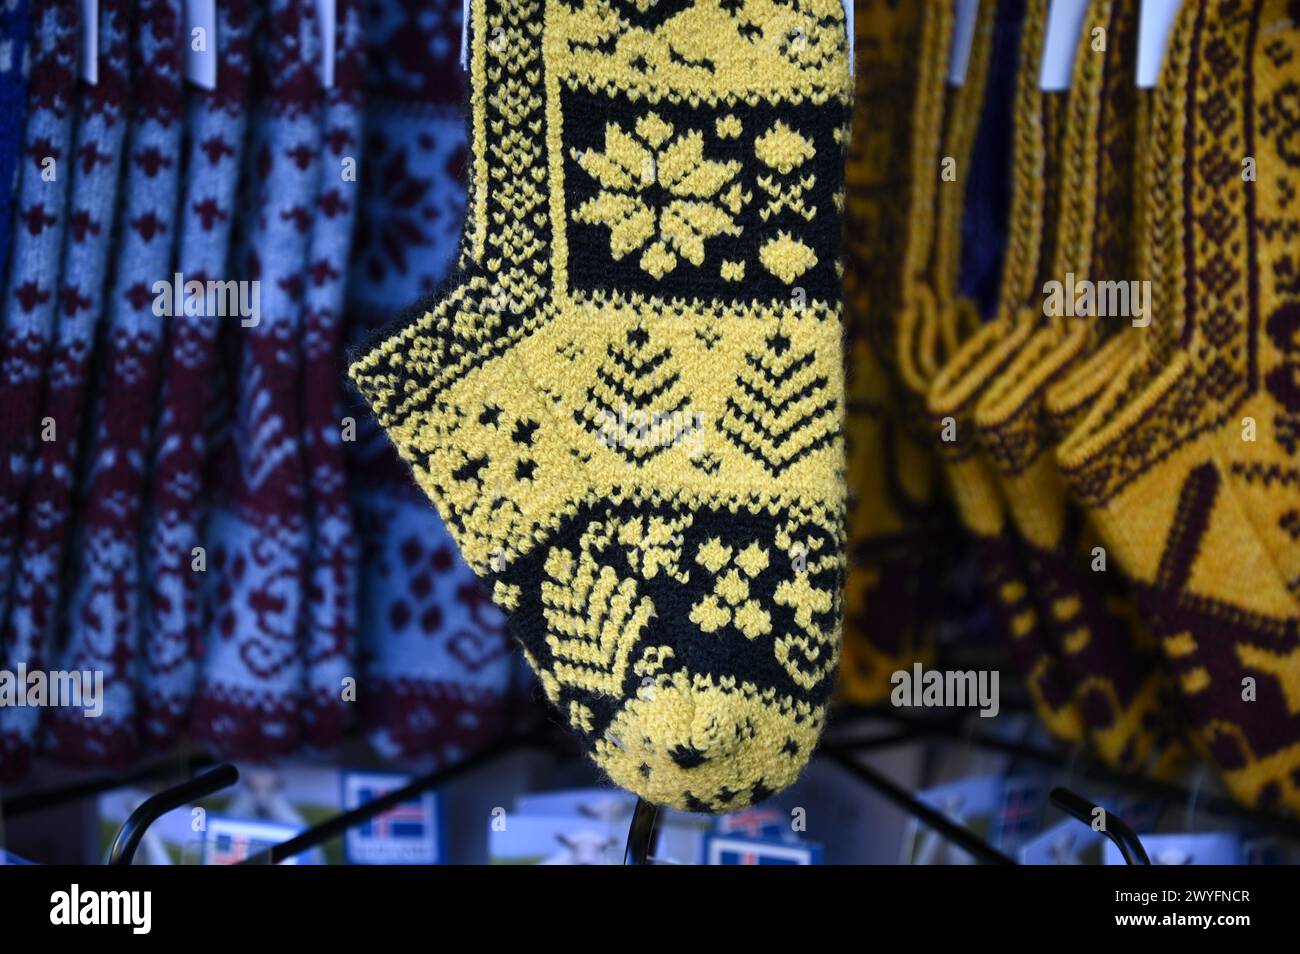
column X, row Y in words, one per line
column 1020, row 818
column 294, row 794
column 228, row 841
column 297, row 794
column 555, row 840
column 737, row 850
column 1068, row 842
column 765, row 822
column 409, row 833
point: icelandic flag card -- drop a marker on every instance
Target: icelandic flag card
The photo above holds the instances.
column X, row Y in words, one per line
column 763, row 821
column 228, row 841
column 406, row 834
column 733, row 850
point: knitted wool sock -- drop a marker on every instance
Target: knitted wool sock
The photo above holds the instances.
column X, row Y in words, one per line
column 641, row 449
column 29, row 303
column 332, row 585
column 1116, row 682
column 892, row 523
column 252, row 680
column 15, row 28
column 104, row 608
column 216, row 121
column 1194, row 511
column 437, row 653
column 953, row 389
column 986, row 204
column 31, row 294
column 933, row 320
column 92, row 168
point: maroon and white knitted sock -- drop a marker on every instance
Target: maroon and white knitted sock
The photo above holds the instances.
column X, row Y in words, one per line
column 437, row 655
column 104, row 609
column 29, row 314
column 251, row 687
column 172, row 619
column 331, row 622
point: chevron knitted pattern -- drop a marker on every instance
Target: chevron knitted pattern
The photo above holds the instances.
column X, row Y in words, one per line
column 628, row 402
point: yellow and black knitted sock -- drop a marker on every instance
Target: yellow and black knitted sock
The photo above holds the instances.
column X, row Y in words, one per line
column 1114, row 674
column 1188, row 461
column 628, row 404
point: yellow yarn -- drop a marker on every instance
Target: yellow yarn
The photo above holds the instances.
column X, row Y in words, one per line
column 629, row 404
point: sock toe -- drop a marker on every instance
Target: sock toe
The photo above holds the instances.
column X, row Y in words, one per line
column 708, row 745
column 692, row 646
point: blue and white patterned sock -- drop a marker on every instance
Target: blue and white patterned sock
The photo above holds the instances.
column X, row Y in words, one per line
column 92, row 169
column 252, row 683
column 15, row 28
column 31, row 298
column 330, row 642
column 172, row 612
column 438, row 656
column 104, row 610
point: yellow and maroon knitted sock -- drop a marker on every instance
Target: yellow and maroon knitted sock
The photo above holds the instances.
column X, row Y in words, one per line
column 1114, row 675
column 894, row 522
column 953, row 382
column 1188, row 463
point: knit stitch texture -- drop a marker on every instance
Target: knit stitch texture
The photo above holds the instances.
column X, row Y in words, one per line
column 628, row 405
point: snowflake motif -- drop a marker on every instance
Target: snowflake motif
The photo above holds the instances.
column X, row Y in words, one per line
column 659, row 195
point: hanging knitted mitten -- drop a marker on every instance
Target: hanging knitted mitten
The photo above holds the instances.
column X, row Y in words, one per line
column 438, row 658
column 629, row 405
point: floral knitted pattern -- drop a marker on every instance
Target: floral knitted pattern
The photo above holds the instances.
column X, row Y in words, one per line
column 435, row 647
column 628, row 403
